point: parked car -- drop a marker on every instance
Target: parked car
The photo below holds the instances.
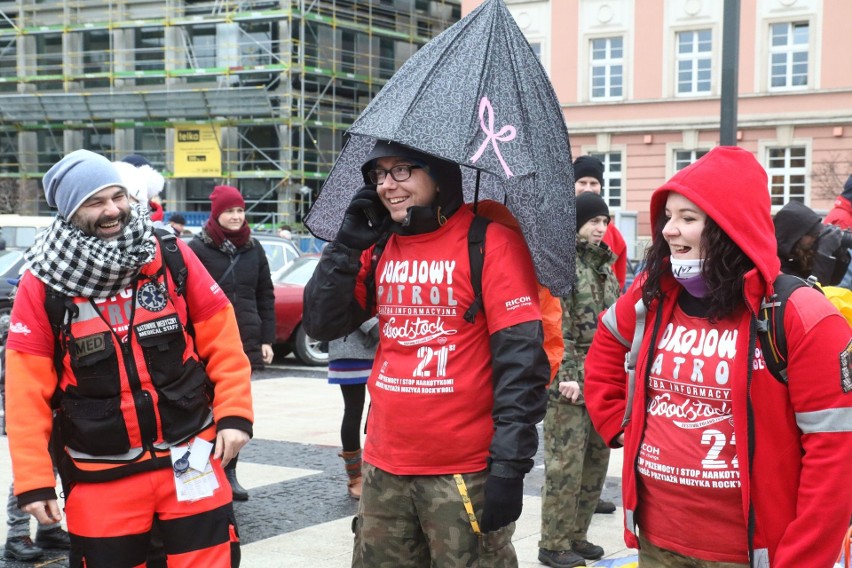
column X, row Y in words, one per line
column 289, row 334
column 19, row 231
column 280, row 252
column 11, row 266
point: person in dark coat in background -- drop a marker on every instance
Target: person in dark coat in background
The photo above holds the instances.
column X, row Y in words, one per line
column 807, row 247
column 350, row 360
column 238, row 264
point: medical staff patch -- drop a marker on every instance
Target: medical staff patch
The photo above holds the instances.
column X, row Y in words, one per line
column 846, row 368
column 152, row 297
column 162, row 326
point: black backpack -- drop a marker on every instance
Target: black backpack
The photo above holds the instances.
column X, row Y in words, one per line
column 476, row 254
column 770, row 324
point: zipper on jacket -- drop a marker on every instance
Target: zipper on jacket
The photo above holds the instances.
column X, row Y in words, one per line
column 142, row 401
column 751, row 521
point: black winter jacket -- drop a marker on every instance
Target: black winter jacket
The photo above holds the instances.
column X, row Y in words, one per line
column 249, row 287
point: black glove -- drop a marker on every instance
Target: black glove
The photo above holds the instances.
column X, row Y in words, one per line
column 504, row 499
column 829, row 240
column 364, row 221
column 830, row 259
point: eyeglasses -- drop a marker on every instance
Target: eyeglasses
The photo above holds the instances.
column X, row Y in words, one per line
column 398, row 173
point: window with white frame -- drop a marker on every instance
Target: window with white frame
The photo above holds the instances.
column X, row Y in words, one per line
column 788, row 52
column 536, row 47
column 607, row 68
column 683, row 158
column 787, row 170
column 613, row 183
column 694, row 62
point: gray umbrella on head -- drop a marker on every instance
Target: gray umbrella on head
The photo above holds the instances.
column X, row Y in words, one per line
column 476, row 95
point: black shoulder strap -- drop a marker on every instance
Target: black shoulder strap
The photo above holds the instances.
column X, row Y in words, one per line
column 173, row 258
column 770, row 324
column 476, row 252
column 370, row 279
column 57, row 305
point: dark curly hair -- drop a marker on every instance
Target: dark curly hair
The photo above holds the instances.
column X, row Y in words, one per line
column 723, row 270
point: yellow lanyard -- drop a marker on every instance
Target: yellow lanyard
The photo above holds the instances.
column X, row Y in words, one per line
column 468, row 506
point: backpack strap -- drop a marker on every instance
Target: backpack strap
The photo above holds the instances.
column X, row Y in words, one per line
column 770, row 323
column 476, row 252
column 173, row 258
column 370, row 278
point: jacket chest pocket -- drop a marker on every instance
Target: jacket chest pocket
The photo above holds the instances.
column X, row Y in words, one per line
column 95, row 365
column 163, row 345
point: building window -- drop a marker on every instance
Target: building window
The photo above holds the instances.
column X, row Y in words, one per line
column 203, row 47
column 607, row 68
column 612, row 182
column 49, row 61
column 694, row 49
column 536, row 47
column 97, row 53
column 683, row 158
column 100, row 142
column 9, row 152
column 150, row 53
column 787, row 174
column 789, row 56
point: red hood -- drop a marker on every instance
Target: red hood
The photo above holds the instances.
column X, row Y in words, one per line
column 732, row 188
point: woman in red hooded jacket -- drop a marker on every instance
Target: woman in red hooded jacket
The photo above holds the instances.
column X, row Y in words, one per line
column 723, row 464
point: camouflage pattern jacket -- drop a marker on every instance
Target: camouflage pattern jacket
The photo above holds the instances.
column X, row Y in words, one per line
column 595, row 290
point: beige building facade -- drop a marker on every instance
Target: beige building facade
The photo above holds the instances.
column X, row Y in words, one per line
column 640, row 84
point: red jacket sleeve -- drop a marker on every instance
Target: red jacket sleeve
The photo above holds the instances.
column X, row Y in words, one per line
column 30, row 383
column 218, row 342
column 605, row 384
column 819, row 354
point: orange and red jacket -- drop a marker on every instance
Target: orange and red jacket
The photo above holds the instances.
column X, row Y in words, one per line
column 123, row 403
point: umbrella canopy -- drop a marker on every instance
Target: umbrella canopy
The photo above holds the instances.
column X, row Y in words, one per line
column 476, row 95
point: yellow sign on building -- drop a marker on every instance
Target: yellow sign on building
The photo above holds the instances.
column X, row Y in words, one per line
column 197, row 151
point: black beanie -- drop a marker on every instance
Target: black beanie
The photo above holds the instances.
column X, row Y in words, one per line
column 792, row 222
column 589, row 206
column 847, row 189
column 588, row 166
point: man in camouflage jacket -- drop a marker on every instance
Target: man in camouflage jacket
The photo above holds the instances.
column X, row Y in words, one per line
column 575, row 456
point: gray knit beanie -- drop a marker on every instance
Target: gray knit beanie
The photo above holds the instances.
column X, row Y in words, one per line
column 75, row 178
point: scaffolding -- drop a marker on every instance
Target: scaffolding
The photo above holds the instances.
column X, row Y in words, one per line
column 280, row 80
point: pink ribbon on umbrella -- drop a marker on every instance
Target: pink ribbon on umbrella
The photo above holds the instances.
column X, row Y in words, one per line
column 507, row 133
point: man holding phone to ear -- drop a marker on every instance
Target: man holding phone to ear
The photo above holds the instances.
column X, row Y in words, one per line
column 454, row 402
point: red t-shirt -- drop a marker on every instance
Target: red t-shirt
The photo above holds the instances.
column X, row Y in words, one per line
column 690, row 498
column 431, row 388
column 31, row 333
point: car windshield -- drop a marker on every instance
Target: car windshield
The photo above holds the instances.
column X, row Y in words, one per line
column 299, row 272
column 279, row 254
column 8, row 258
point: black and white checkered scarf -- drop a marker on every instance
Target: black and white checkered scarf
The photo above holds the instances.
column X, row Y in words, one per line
column 76, row 264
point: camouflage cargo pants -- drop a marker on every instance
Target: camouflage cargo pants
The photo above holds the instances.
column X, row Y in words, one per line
column 420, row 521
column 575, row 464
column 656, row 557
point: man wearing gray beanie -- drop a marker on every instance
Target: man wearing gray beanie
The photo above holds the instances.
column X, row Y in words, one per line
column 101, row 361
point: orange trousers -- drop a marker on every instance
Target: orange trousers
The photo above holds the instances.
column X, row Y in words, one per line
column 110, row 523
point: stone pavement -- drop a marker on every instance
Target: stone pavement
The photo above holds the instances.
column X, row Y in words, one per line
column 298, row 514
